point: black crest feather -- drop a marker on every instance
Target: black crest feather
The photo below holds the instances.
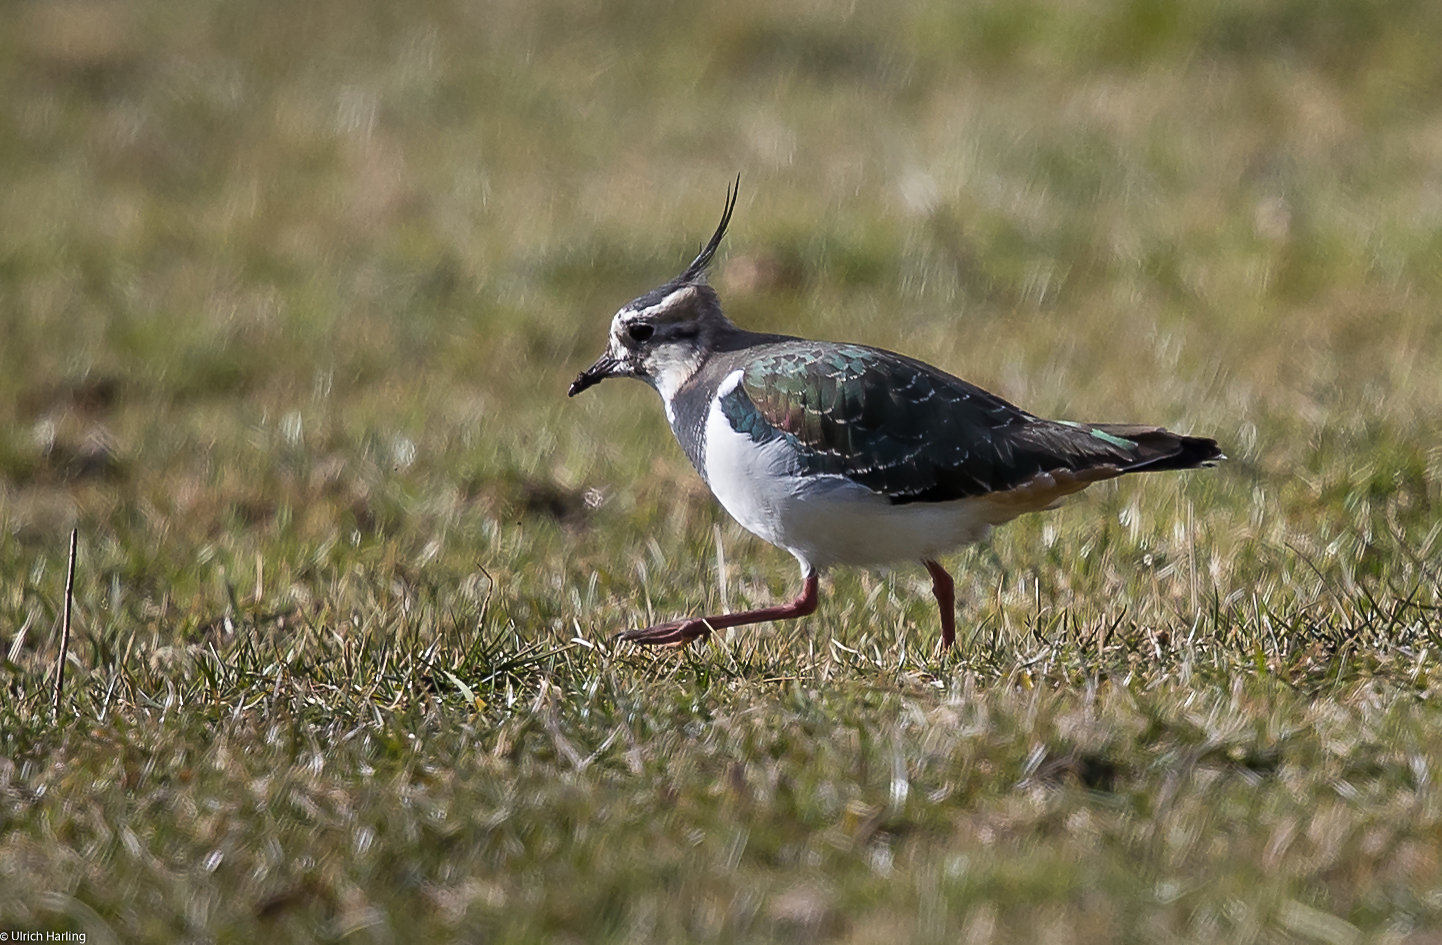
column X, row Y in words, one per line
column 696, row 272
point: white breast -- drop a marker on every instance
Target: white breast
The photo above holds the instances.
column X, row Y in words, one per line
column 824, row 520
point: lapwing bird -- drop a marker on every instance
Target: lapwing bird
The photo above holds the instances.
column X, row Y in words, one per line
column 844, row 454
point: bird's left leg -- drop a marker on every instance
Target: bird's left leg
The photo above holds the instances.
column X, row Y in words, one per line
column 944, row 590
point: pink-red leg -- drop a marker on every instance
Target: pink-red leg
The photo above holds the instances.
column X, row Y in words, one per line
column 691, row 628
column 944, row 591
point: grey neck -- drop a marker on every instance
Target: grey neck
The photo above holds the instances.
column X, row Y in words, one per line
column 732, row 349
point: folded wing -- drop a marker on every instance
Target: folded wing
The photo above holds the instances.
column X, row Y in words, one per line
column 916, row 434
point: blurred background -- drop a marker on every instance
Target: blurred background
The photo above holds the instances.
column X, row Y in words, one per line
column 246, row 246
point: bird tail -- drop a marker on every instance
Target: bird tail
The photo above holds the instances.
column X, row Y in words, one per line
column 1158, row 449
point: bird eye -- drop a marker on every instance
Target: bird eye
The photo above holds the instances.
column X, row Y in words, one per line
column 641, row 332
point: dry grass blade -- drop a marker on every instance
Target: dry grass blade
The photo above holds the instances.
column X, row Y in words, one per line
column 64, row 654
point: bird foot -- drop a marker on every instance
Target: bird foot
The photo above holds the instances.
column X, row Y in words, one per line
column 675, row 633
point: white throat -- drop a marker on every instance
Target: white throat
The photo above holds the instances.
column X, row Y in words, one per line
column 670, row 370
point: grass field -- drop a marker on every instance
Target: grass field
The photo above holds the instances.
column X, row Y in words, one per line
column 289, row 299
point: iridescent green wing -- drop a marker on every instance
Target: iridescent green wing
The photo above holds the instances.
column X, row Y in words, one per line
column 903, row 428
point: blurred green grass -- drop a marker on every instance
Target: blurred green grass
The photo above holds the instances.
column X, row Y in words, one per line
column 289, row 298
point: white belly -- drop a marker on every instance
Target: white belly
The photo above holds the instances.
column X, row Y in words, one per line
column 827, row 520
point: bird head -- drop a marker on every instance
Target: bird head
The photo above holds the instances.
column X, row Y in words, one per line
column 662, row 337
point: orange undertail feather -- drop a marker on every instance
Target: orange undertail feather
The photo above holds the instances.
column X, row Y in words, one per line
column 1043, row 491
